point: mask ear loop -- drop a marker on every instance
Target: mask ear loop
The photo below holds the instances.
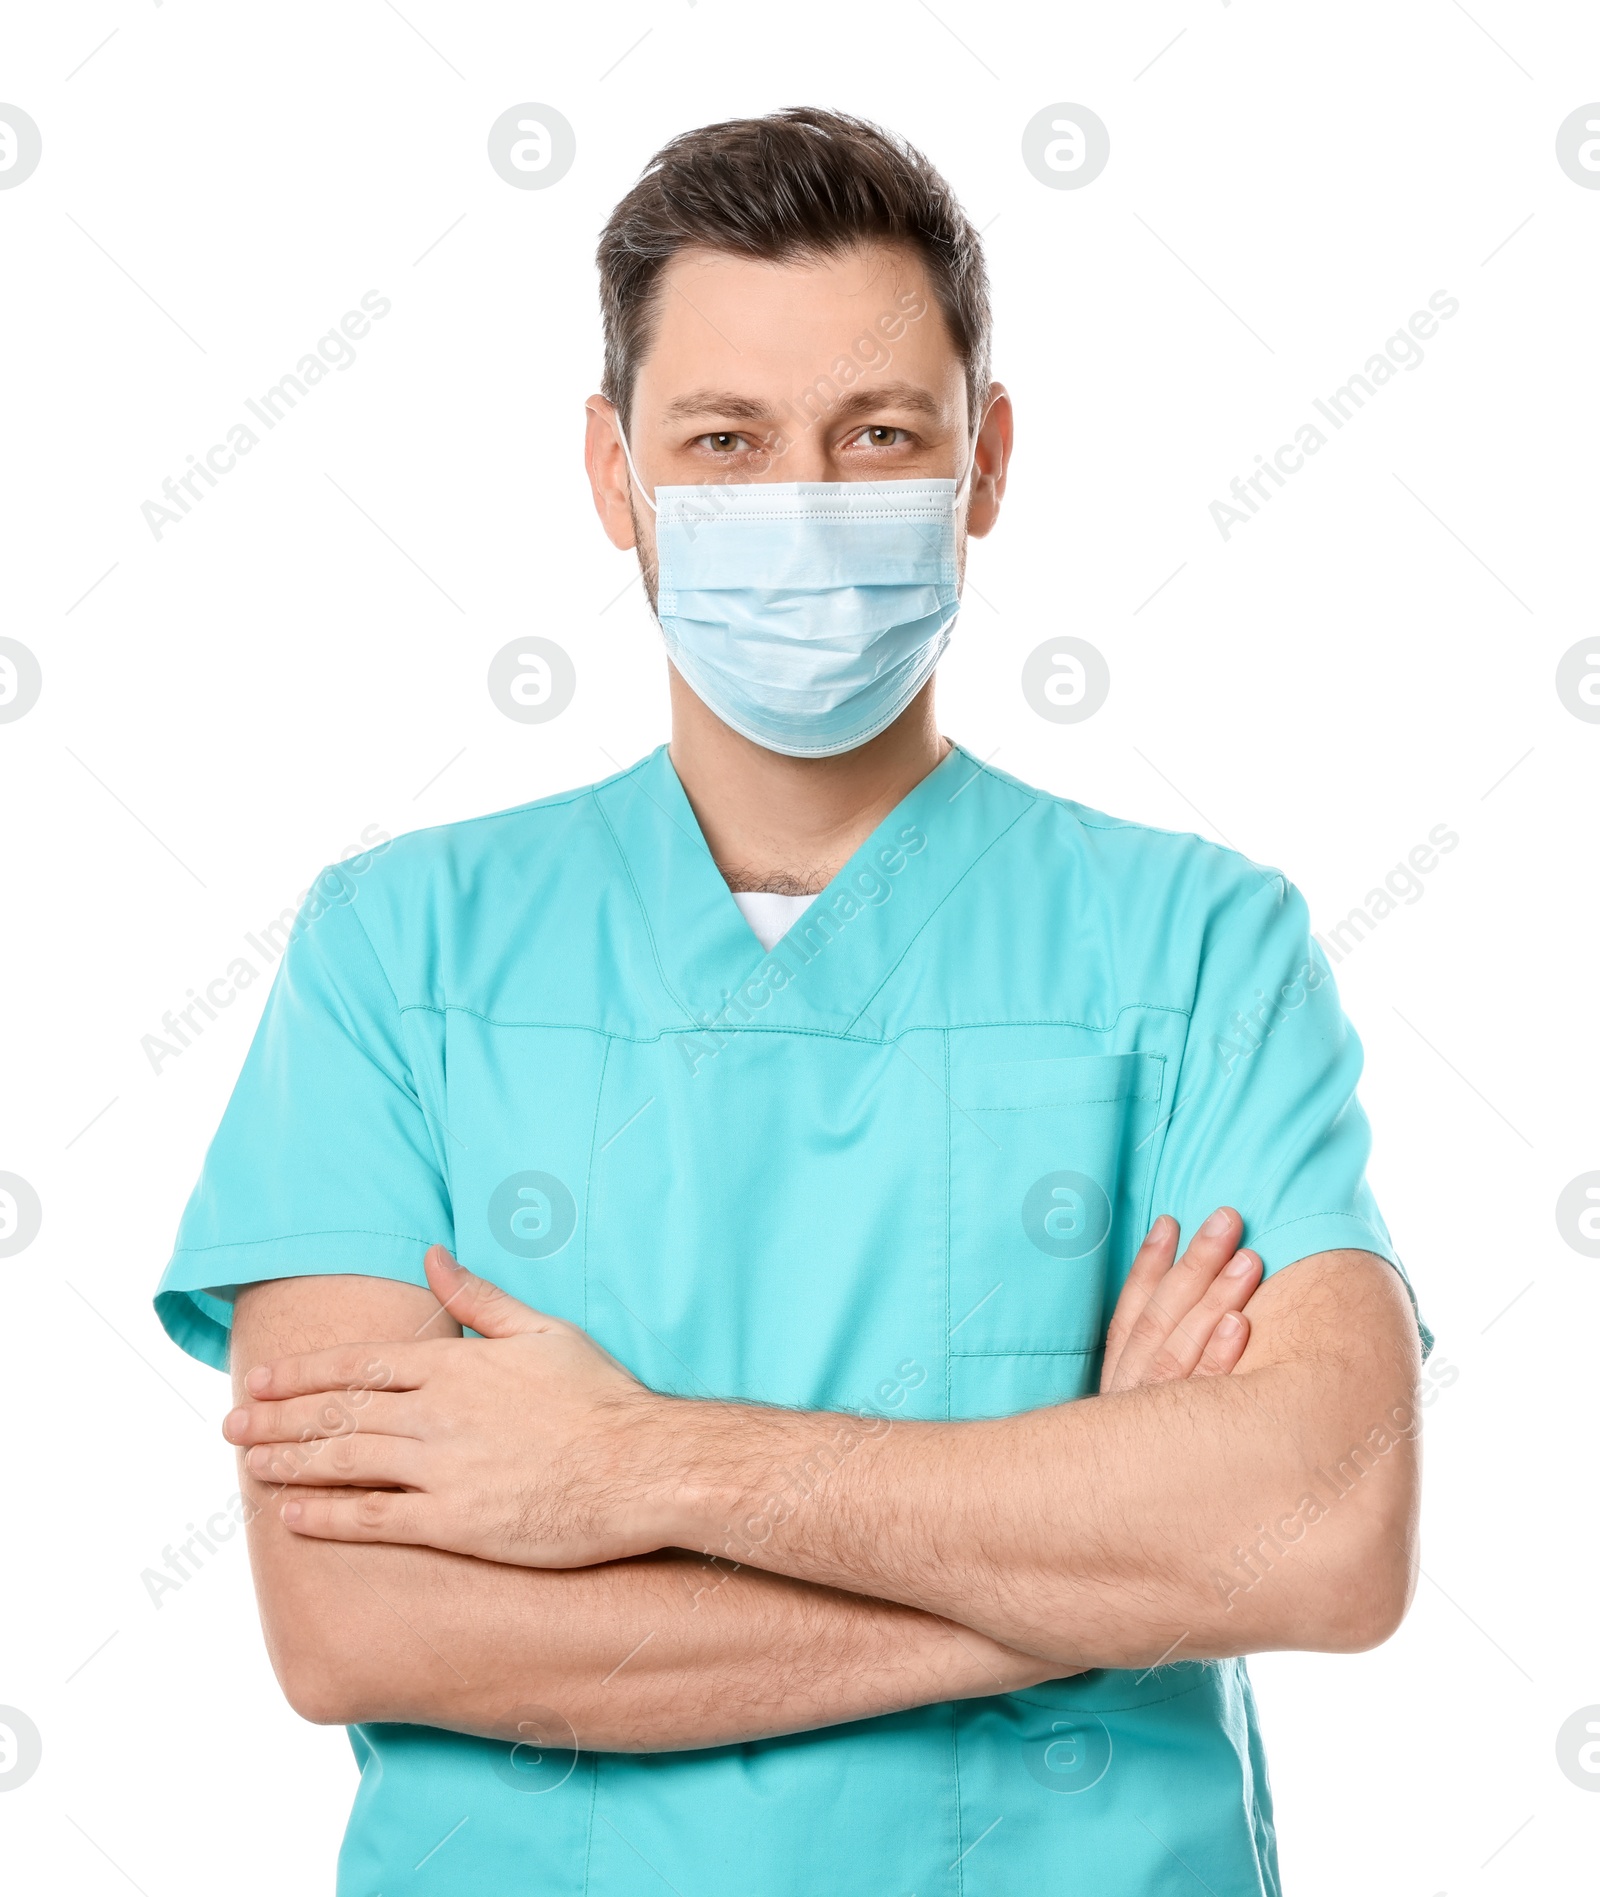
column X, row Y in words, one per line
column 972, row 460
column 627, row 456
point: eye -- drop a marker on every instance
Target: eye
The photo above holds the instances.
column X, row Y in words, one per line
column 724, row 443
column 881, row 435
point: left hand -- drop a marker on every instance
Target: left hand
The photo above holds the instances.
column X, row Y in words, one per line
column 1182, row 1317
column 528, row 1448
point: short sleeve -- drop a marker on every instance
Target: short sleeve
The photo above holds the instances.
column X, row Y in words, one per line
column 326, row 1160
column 1265, row 1116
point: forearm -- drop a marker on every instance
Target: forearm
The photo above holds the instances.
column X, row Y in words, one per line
column 1201, row 1518
column 1210, row 1514
column 663, row 1653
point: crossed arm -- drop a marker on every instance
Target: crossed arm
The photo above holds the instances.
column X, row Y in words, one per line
column 659, row 1652
column 479, row 1527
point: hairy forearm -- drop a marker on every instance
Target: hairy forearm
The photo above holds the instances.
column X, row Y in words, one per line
column 666, row 1652
column 1106, row 1532
column 662, row 1653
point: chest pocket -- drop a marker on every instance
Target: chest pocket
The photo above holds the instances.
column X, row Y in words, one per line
column 1049, row 1174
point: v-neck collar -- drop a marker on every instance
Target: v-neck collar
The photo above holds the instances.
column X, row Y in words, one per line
column 823, row 974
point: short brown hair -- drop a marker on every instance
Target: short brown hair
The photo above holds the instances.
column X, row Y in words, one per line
column 802, row 181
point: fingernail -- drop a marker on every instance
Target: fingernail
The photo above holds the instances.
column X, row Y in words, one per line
column 1241, row 1264
column 258, row 1379
column 233, row 1424
column 290, row 1513
column 1217, row 1224
column 1229, row 1326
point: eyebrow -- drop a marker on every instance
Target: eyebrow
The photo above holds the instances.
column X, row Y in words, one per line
column 745, row 408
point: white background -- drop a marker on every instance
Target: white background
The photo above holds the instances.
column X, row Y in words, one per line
column 225, row 709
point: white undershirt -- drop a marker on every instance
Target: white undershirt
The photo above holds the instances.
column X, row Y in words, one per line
column 770, row 916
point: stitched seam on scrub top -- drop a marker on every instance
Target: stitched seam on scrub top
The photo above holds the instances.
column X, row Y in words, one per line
column 955, row 1773
column 559, row 800
column 1264, row 870
column 594, row 1800
column 406, row 1081
column 644, row 916
column 541, row 1023
column 588, row 1185
column 1163, row 1127
column 591, row 791
column 285, row 1238
column 949, row 1236
column 1147, row 1180
column 1059, row 1021
column 372, row 950
column 893, row 968
column 1035, row 797
column 1305, row 1218
column 410, row 1084
column 1130, row 1706
column 1079, row 1350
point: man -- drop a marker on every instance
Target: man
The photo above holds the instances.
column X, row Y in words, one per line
column 796, row 1521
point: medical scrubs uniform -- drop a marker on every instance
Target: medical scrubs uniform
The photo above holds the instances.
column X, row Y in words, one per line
column 898, row 1164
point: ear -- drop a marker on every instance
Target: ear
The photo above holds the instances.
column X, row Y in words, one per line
column 607, row 469
column 994, row 457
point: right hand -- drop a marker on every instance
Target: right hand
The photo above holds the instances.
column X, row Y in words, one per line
column 1174, row 1320
column 1182, row 1319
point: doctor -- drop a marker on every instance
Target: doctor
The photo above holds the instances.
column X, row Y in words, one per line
column 866, row 1476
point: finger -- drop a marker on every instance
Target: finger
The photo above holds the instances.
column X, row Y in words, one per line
column 1206, row 1253
column 1176, row 1295
column 345, row 1367
column 361, row 1515
column 1231, row 1290
column 475, row 1303
column 297, row 1419
column 1151, row 1264
column 340, row 1461
column 1228, row 1339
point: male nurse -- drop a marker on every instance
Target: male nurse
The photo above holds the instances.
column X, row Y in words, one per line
column 797, row 1312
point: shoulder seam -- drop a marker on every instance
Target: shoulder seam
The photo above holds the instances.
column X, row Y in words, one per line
column 1103, row 821
column 372, row 950
column 557, row 800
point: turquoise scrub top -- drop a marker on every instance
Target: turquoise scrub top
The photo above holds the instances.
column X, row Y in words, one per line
column 899, row 1164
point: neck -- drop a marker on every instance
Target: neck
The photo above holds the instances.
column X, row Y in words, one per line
column 791, row 823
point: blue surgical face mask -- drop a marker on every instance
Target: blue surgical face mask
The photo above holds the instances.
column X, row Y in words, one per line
column 807, row 614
